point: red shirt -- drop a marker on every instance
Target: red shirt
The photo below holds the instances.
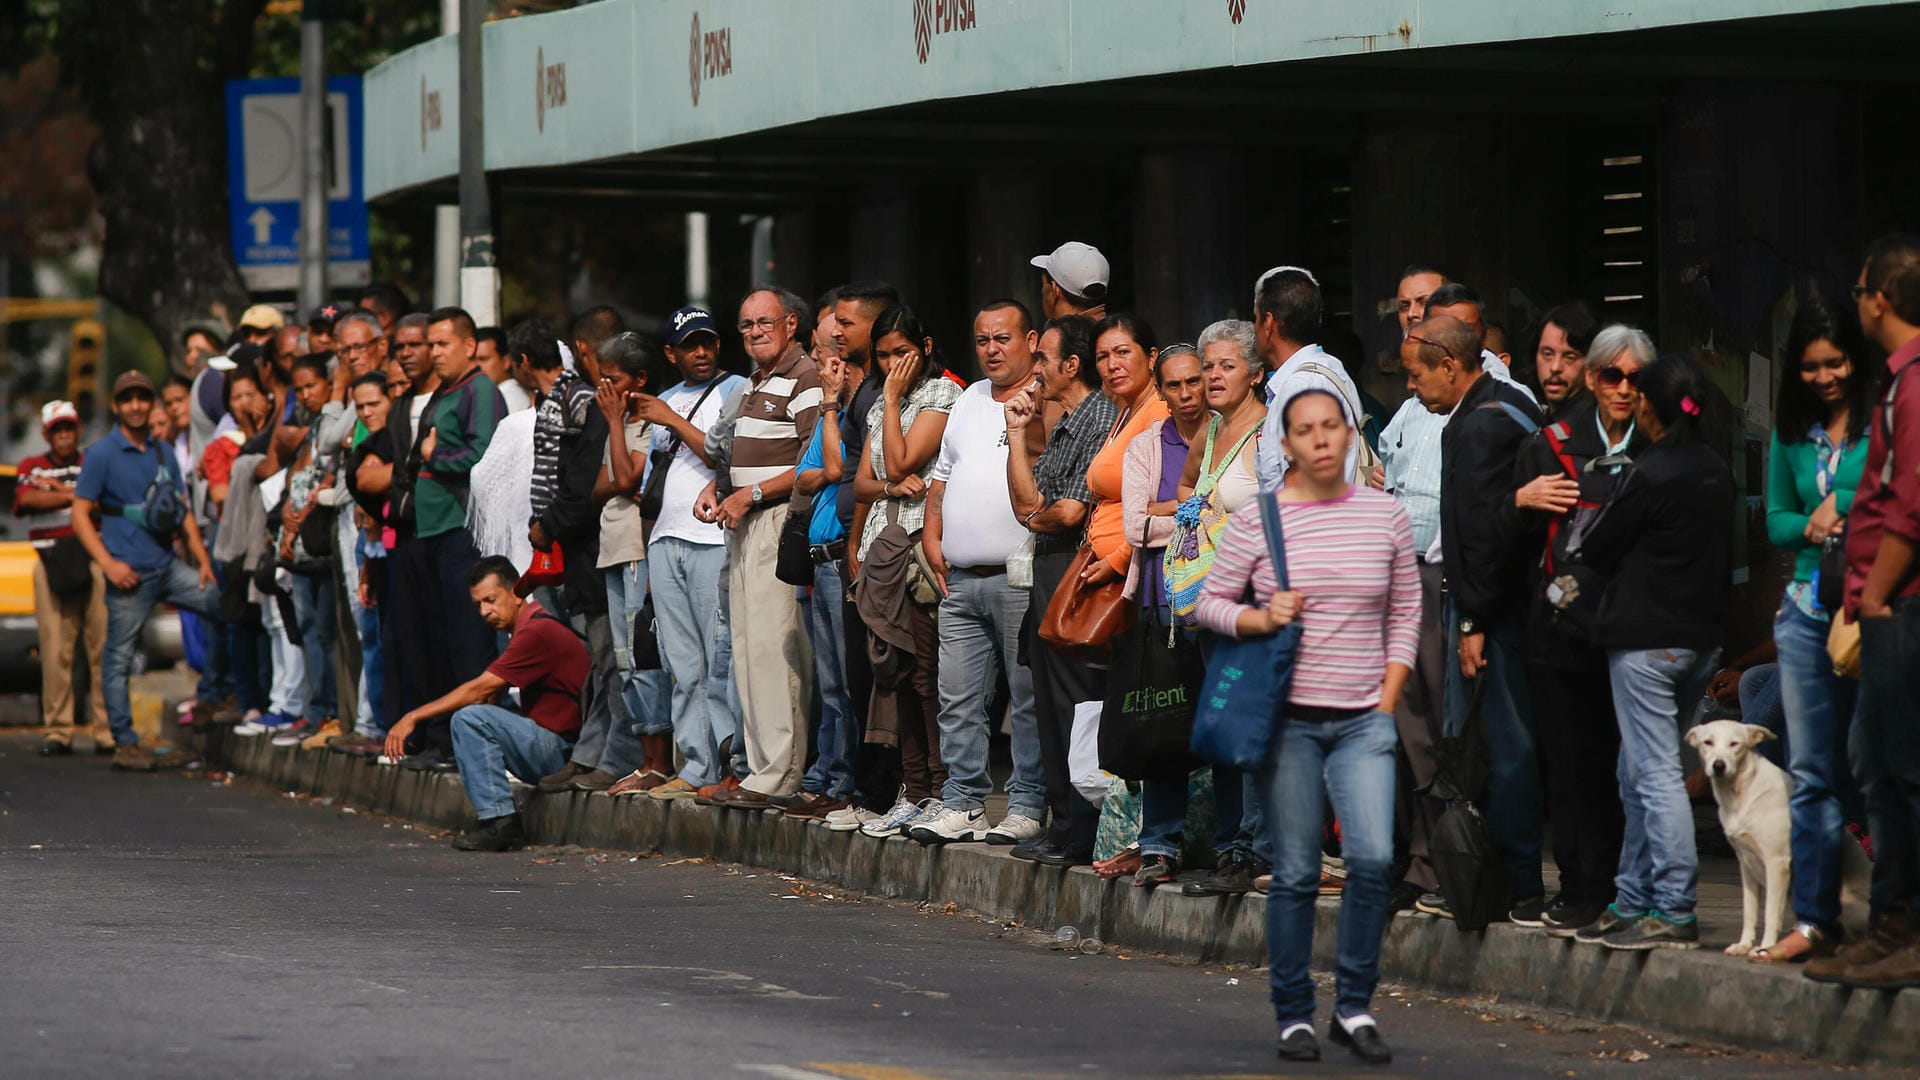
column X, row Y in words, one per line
column 1888, row 499
column 549, row 665
column 45, row 524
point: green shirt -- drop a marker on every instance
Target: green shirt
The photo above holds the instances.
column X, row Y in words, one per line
column 1793, row 492
column 465, row 418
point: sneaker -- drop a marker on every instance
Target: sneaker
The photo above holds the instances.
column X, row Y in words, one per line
column 1298, row 1044
column 1528, row 912
column 675, row 788
column 320, row 740
column 1015, row 828
column 902, row 815
column 850, row 818
column 1433, row 904
column 55, row 748
column 1403, row 897
column 1656, row 930
column 134, row 758
column 951, row 826
column 1155, row 870
column 1364, row 1040
column 1609, row 920
column 1233, row 877
column 432, row 759
column 494, row 834
column 1564, row 918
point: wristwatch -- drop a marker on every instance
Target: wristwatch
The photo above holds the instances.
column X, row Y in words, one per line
column 757, row 494
column 1466, row 625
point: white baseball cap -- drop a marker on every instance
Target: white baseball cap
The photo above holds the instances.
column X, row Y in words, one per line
column 1078, row 268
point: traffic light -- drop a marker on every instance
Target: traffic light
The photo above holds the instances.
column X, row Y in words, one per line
column 86, row 351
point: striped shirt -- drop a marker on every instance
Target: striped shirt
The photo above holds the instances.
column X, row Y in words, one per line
column 778, row 409
column 1351, row 559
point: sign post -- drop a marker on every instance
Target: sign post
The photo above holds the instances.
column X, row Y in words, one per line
column 264, row 179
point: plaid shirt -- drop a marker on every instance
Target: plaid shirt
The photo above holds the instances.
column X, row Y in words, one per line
column 1061, row 471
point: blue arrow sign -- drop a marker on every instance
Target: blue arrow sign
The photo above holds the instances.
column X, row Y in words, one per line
column 263, row 181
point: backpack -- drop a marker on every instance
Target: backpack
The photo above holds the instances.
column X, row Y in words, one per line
column 1367, row 458
column 1198, row 525
column 161, row 511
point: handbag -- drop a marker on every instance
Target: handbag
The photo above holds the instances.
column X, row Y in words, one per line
column 548, row 568
column 1082, row 620
column 1246, row 682
column 1460, row 847
column 643, row 637
column 1830, row 580
column 1198, row 527
column 1146, row 721
column 793, row 559
column 1843, row 645
column 68, row 567
column 654, row 495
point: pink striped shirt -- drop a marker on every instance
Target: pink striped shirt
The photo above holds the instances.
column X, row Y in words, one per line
column 1351, row 558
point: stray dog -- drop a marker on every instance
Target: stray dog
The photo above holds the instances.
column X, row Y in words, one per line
column 1752, row 794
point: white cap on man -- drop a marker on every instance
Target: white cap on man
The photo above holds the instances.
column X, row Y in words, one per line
column 1077, row 268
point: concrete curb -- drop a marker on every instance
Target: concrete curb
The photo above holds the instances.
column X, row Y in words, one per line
column 1696, row 995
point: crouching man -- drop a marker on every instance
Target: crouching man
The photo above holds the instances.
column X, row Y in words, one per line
column 548, row 665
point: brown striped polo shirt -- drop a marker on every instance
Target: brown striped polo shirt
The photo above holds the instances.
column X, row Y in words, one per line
column 776, row 420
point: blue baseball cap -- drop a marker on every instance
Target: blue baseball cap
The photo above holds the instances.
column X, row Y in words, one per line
column 688, row 321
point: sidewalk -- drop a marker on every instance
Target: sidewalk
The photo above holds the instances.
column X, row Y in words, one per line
column 1700, row 995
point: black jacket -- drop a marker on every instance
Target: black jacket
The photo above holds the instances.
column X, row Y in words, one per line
column 1667, row 536
column 573, row 519
column 1481, row 532
column 1548, row 643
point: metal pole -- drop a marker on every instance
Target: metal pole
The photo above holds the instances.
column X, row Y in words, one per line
column 446, row 218
column 697, row 258
column 479, row 276
column 313, row 156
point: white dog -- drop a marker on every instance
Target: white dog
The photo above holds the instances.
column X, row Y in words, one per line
column 1752, row 793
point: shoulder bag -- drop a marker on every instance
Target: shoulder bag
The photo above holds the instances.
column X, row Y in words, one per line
column 1146, row 721
column 1082, row 620
column 1197, row 528
column 654, row 495
column 1247, row 678
column 1364, row 462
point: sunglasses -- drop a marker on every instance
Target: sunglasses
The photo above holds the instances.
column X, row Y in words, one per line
column 1429, row 341
column 1611, row 376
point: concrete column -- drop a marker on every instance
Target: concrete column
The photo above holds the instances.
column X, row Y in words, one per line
column 1003, row 225
column 880, row 238
column 1160, row 231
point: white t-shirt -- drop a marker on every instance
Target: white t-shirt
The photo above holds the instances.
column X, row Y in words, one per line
column 516, row 396
column 688, row 476
column 979, row 527
column 414, row 408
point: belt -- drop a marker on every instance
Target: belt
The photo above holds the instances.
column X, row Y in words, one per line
column 995, row 570
column 1322, row 714
column 826, row 553
column 1052, row 544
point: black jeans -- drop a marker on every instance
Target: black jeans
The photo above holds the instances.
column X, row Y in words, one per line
column 1058, row 685
column 1580, row 750
column 1885, row 747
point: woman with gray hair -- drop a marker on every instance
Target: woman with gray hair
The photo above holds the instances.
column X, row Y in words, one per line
column 1576, row 460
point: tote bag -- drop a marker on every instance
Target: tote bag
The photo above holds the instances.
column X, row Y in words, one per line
column 1246, row 683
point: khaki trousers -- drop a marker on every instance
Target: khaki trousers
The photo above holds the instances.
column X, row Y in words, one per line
column 63, row 625
column 772, row 660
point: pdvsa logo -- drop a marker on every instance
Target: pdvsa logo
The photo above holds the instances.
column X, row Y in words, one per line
column 1236, row 10
column 932, row 17
column 709, row 56
column 429, row 112
column 549, row 87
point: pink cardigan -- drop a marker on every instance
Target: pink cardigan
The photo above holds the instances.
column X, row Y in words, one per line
column 1139, row 480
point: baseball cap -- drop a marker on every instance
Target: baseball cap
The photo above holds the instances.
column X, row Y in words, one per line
column 58, row 412
column 1078, row 268
column 688, row 321
column 326, row 315
column 132, row 380
column 262, row 317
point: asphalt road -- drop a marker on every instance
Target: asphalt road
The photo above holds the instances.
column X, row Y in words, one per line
column 161, row 926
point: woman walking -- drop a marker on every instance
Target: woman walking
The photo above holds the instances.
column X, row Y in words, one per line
column 1355, row 592
column 1664, row 537
column 1819, row 450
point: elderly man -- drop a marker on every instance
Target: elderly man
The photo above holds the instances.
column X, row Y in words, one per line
column 69, row 593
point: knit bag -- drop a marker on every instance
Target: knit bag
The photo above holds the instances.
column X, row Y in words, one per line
column 1197, row 527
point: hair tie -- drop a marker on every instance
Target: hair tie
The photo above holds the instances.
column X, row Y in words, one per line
column 1689, row 406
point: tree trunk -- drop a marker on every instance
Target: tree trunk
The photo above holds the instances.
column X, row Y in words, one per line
column 159, row 165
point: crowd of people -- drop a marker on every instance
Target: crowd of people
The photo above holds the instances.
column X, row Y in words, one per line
column 608, row 564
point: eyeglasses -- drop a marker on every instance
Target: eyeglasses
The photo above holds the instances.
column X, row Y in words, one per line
column 363, row 347
column 1860, row 291
column 765, row 326
column 1613, row 376
column 1417, row 339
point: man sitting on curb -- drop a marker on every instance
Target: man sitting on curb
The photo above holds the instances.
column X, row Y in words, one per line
column 548, row 665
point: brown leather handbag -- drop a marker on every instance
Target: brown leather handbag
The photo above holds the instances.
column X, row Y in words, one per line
column 1082, row 621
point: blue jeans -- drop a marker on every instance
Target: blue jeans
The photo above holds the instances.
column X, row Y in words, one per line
column 489, row 742
column 686, row 580
column 127, row 610
column 1762, row 702
column 1818, row 706
column 216, row 671
column 838, row 737
column 732, row 722
column 1659, row 865
column 1885, row 746
column 1516, row 805
column 980, row 621
column 648, row 694
column 313, row 607
column 1350, row 763
column 372, row 720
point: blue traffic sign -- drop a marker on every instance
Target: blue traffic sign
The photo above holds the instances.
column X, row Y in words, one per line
column 264, row 175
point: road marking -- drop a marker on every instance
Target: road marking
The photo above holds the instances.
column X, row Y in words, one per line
column 786, row 1072
column 700, row 974
column 853, row 1070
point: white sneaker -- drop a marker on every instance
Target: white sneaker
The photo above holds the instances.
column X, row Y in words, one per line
column 288, row 740
column 250, row 729
column 1015, row 829
column 849, row 818
column 951, row 826
column 898, row 819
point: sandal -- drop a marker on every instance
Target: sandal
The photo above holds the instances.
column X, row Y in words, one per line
column 1806, row 941
column 638, row 783
column 1121, row 865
